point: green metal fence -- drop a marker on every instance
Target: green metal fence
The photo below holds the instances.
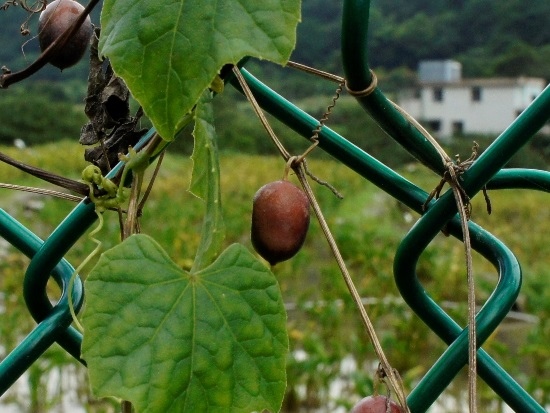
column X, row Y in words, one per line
column 53, row 322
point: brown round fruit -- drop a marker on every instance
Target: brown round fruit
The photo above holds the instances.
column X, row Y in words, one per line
column 280, row 219
column 57, row 17
column 376, row 404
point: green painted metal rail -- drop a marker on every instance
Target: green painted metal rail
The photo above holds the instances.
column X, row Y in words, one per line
column 53, row 322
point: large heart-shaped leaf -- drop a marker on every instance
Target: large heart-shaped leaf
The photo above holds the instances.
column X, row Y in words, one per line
column 174, row 342
column 169, row 51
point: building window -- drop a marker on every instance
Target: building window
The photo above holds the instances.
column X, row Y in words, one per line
column 476, row 94
column 458, row 127
column 434, row 125
column 438, row 94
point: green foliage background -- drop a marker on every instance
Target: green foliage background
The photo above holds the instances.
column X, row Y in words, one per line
column 483, row 34
column 490, row 38
column 368, row 225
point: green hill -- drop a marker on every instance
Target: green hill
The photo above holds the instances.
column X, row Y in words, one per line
column 489, row 37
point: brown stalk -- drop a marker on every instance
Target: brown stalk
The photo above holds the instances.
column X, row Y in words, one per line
column 452, row 173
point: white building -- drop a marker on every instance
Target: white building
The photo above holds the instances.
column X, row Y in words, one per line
column 449, row 105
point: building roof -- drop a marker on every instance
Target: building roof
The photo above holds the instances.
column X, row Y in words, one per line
column 488, row 82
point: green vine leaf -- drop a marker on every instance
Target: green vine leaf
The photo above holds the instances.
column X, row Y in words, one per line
column 174, row 342
column 168, row 52
column 205, row 183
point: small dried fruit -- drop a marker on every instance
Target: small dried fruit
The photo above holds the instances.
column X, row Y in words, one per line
column 57, row 17
column 376, row 404
column 280, row 220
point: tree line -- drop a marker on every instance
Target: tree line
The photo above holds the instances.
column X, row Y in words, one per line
column 489, row 37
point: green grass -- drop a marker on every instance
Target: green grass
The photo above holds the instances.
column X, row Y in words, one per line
column 368, row 226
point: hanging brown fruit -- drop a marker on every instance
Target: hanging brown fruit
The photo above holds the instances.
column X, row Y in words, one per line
column 280, row 220
column 57, row 17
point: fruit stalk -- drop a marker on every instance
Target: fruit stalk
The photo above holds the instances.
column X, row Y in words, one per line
column 393, row 377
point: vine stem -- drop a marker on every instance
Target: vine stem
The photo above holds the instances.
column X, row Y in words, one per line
column 58, row 180
column 393, row 376
column 472, row 339
column 153, row 178
column 96, row 250
column 249, row 95
column 464, row 217
column 130, row 226
column 42, row 191
column 138, row 165
column 316, row 72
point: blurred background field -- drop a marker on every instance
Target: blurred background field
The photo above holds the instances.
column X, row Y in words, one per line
column 332, row 362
